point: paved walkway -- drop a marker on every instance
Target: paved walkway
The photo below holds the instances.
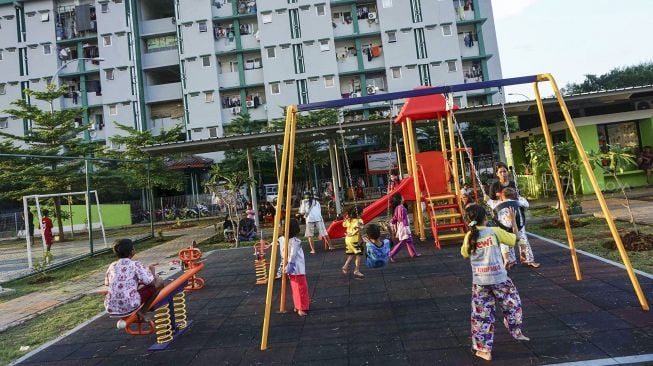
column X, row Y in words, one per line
column 18, row 310
column 412, row 312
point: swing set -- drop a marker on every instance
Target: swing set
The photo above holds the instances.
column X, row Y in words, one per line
column 429, row 172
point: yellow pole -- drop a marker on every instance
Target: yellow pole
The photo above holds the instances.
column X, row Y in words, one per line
column 290, row 120
column 597, row 191
column 286, row 228
column 417, row 211
column 556, row 180
column 443, row 142
column 401, row 170
column 454, row 157
column 406, row 149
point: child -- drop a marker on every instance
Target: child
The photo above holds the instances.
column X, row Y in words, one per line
column 296, row 269
column 510, row 199
column 353, row 225
column 466, row 198
column 490, row 281
column 251, row 214
column 401, row 227
column 46, row 226
column 124, row 277
column 377, row 251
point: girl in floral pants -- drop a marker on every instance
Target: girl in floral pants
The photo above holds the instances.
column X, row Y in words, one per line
column 490, row 281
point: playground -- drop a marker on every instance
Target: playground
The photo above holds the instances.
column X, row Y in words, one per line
column 412, row 312
column 577, row 307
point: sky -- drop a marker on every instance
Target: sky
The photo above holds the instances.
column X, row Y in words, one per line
column 570, row 38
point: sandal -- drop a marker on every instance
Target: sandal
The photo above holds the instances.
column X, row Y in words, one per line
column 533, row 264
column 344, row 271
column 487, row 356
column 358, row 274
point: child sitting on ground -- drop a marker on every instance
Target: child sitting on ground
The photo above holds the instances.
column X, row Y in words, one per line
column 377, row 251
column 510, row 199
column 124, row 277
column 490, row 281
column 353, row 225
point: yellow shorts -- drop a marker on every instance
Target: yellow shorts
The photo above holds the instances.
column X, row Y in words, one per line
column 352, row 247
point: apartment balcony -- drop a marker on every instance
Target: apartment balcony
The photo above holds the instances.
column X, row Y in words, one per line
column 158, row 26
column 228, row 80
column 375, row 63
column 163, row 92
column 368, row 26
column 467, row 49
column 225, row 10
column 343, row 29
column 230, row 113
column 347, row 63
column 165, row 57
column 258, row 113
column 92, row 98
column 248, row 41
column 75, row 68
column 223, row 45
column 254, row 76
column 167, row 123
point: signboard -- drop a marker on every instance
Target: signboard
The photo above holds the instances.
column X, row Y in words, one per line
column 380, row 162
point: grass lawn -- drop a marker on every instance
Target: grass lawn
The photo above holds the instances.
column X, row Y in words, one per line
column 46, row 327
column 591, row 237
column 72, row 271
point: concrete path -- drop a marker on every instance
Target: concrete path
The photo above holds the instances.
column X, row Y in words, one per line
column 20, row 309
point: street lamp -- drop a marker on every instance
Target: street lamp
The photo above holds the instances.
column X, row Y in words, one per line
column 520, row 95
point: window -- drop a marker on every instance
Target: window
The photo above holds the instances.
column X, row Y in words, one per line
column 45, row 17
column 298, row 54
column 295, row 27
column 47, row 49
column 324, row 45
column 3, row 89
column 392, row 36
column 0, row 55
column 416, row 10
column 208, row 97
column 420, row 43
column 160, row 43
column 624, row 134
column 319, row 9
column 274, row 88
column 3, row 123
column 202, row 26
column 106, row 41
column 328, row 81
column 396, row 72
column 424, row 75
column 108, row 74
column 213, row 131
column 272, row 52
column 206, row 61
column 452, row 66
column 292, row 1
column 104, row 7
column 113, row 110
column 266, row 18
column 446, row 29
column 302, row 91
column 387, row 4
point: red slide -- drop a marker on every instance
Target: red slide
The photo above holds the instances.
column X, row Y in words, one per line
column 405, row 187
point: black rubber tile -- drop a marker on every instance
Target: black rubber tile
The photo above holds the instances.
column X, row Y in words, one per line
column 446, row 356
column 220, row 356
column 624, row 342
column 565, row 349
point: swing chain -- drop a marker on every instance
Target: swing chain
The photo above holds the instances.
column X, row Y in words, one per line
column 507, row 128
column 341, row 131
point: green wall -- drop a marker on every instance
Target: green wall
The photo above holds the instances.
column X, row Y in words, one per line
column 646, row 131
column 112, row 215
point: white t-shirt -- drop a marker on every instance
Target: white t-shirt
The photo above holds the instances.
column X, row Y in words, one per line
column 487, row 261
column 295, row 255
column 312, row 213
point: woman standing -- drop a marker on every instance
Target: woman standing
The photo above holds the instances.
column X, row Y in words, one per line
column 312, row 212
column 501, row 170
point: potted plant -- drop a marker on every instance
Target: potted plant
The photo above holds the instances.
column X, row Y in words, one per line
column 573, row 205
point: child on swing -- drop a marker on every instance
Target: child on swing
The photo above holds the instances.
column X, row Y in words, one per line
column 377, row 250
column 490, row 281
column 353, row 225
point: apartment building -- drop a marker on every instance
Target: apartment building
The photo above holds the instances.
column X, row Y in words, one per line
column 200, row 63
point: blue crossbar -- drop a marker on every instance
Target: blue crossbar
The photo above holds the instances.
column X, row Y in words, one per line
column 417, row 93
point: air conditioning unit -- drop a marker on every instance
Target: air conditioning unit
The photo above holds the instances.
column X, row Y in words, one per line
column 235, row 110
column 250, row 103
column 371, row 89
column 92, row 126
column 371, row 15
column 355, row 95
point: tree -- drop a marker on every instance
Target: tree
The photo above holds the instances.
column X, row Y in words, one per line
column 229, row 197
column 53, row 133
column 132, row 173
column 619, row 77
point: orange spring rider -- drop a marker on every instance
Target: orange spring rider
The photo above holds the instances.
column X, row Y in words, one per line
column 260, row 263
column 190, row 258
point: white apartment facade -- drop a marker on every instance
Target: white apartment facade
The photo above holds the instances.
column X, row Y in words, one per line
column 157, row 63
